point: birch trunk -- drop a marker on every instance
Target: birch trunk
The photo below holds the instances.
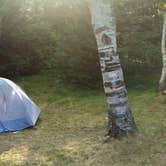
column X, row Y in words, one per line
column 120, row 116
column 162, row 87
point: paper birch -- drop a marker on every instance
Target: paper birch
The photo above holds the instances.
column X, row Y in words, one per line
column 104, row 26
column 163, row 50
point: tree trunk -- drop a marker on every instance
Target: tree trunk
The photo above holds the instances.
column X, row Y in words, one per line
column 162, row 87
column 121, row 120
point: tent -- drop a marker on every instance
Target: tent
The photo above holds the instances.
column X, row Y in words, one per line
column 17, row 110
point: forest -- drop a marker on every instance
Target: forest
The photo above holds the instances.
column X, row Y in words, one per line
column 51, row 49
column 41, row 34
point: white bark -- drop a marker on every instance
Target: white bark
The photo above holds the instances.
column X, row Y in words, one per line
column 120, row 116
column 163, row 50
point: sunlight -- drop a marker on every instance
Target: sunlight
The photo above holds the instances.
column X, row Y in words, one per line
column 15, row 155
column 90, row 73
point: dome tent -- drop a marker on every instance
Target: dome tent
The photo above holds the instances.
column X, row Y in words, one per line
column 17, row 110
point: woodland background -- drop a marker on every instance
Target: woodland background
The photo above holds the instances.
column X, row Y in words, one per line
column 48, row 48
column 42, row 35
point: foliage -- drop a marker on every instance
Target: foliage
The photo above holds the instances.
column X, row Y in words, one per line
column 76, row 58
column 139, row 26
column 26, row 42
column 42, row 34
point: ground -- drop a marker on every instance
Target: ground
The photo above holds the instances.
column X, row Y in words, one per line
column 73, row 122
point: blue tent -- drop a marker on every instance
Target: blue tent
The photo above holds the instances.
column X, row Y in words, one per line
column 17, row 110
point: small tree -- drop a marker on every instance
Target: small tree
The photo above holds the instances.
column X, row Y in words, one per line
column 162, row 87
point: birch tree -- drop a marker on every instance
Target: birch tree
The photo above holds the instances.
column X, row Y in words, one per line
column 120, row 117
column 162, row 87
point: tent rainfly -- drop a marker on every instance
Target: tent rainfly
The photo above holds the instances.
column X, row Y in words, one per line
column 17, row 110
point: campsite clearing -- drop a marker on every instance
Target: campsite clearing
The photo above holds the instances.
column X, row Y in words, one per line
column 72, row 125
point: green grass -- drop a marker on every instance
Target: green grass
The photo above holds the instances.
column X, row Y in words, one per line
column 73, row 122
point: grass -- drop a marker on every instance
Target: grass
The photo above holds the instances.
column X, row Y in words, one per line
column 73, row 122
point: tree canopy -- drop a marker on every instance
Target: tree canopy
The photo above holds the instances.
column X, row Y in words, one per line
column 42, row 34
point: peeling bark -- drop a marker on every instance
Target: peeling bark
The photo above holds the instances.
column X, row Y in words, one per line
column 162, row 87
column 120, row 116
